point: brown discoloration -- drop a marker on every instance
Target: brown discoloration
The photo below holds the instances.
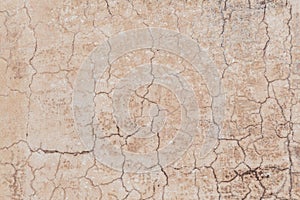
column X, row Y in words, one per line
column 255, row 46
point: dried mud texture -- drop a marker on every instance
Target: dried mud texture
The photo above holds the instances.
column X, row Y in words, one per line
column 255, row 48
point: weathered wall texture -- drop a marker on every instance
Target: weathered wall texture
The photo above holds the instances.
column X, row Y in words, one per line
column 71, row 131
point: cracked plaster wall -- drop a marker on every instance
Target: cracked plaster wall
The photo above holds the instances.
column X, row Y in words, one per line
column 255, row 47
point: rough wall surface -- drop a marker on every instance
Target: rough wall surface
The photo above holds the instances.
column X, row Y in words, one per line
column 152, row 124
